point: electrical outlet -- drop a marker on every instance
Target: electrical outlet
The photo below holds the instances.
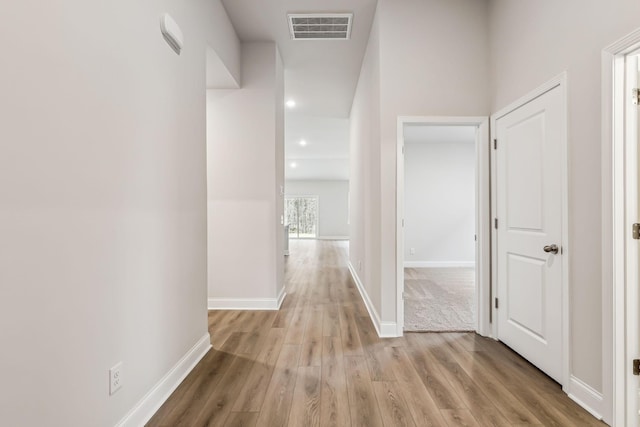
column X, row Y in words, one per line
column 115, row 378
column 412, row 251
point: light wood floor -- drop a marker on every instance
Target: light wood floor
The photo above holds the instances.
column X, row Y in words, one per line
column 319, row 362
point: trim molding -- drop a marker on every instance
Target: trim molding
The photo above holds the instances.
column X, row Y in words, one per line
column 438, row 264
column 333, row 238
column 483, row 245
column 586, row 396
column 153, row 400
column 247, row 303
column 384, row 329
column 281, row 297
column 617, row 406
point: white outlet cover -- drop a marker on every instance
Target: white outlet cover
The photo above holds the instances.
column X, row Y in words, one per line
column 115, row 378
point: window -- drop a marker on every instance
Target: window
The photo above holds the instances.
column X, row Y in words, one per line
column 301, row 213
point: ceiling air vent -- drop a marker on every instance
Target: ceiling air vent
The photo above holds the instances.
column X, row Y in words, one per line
column 320, row 26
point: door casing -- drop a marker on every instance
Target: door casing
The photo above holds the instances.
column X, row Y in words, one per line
column 620, row 331
column 483, row 249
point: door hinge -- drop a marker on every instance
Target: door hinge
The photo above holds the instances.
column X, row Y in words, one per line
column 495, row 223
column 495, row 144
column 635, row 231
column 403, row 222
column 636, row 366
column 496, row 303
column 635, row 96
column 403, row 149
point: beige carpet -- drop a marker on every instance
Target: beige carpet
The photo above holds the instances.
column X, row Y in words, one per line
column 439, row 299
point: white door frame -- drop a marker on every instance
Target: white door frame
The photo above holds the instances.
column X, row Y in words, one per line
column 483, row 248
column 561, row 82
column 617, row 330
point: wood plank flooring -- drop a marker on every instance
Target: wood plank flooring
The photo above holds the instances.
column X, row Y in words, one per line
column 319, row 362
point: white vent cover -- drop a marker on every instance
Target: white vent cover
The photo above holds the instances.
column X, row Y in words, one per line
column 320, row 26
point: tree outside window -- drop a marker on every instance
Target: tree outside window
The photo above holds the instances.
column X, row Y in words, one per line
column 301, row 215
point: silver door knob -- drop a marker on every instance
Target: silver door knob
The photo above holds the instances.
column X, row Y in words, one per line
column 551, row 248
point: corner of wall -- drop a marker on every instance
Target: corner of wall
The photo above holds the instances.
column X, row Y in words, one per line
column 384, row 329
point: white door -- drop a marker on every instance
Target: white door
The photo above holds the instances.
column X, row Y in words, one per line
column 529, row 173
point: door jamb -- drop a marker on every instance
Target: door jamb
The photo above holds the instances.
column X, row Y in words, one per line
column 561, row 82
column 614, row 282
column 483, row 248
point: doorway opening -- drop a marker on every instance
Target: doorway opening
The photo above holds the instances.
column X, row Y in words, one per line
column 439, row 228
column 443, row 208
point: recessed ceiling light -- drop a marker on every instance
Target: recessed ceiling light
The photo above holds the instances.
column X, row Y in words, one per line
column 302, row 143
column 290, row 103
column 293, row 165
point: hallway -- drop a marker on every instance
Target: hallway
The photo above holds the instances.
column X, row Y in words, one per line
column 319, row 362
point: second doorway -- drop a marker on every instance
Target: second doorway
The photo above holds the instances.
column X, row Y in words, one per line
column 440, row 186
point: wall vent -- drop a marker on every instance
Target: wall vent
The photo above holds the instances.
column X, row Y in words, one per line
column 320, row 26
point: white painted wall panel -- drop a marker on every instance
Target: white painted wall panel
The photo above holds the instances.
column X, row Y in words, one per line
column 245, row 157
column 103, row 203
column 440, row 202
column 364, row 158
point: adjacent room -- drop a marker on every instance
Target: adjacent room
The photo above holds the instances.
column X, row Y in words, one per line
column 316, row 201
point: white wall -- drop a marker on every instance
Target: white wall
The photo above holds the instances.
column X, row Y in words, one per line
column 431, row 59
column 278, row 220
column 103, row 203
column 364, row 157
column 333, row 201
column 245, row 156
column 439, row 200
column 559, row 42
column 223, row 40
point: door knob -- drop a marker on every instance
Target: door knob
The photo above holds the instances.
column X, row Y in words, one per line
column 551, row 248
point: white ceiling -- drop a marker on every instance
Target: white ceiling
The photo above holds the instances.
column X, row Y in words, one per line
column 326, row 153
column 321, row 76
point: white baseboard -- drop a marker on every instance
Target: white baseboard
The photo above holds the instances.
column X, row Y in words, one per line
column 281, row 296
column 384, row 329
column 247, row 303
column 586, row 396
column 438, row 264
column 153, row 400
column 333, row 238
